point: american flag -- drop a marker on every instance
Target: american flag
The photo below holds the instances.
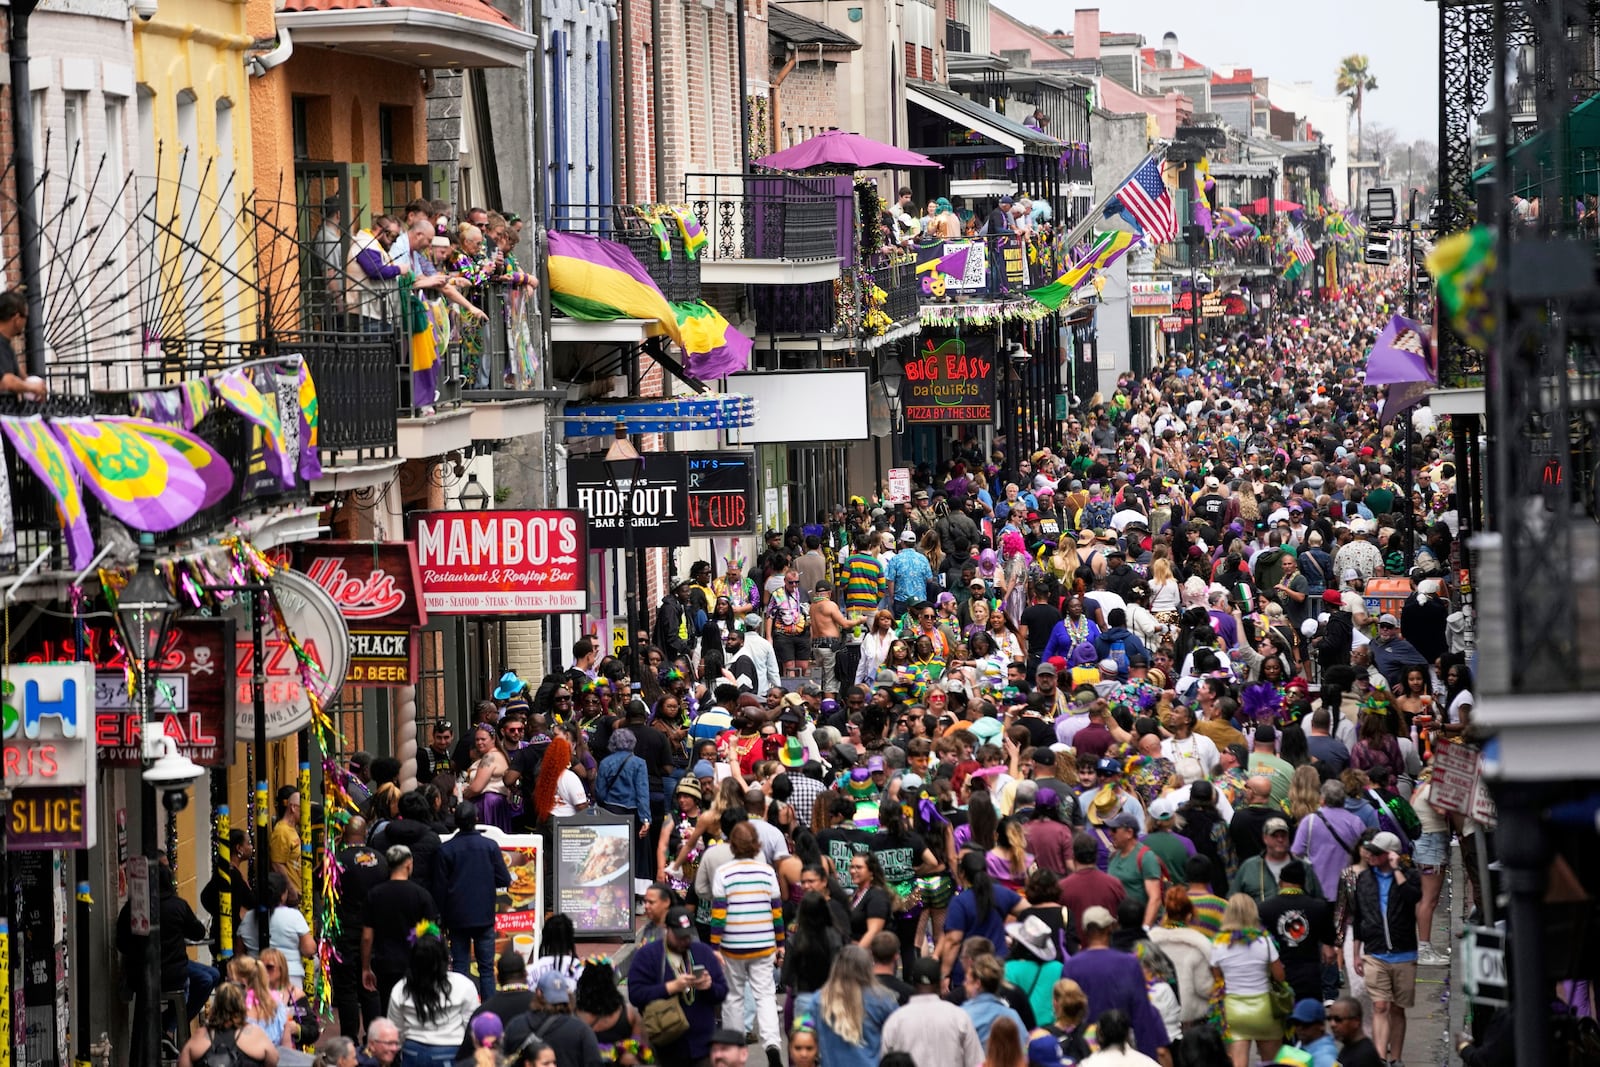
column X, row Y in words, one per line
column 1299, row 245
column 1144, row 195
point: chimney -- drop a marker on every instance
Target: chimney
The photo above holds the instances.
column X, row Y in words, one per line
column 1086, row 33
column 1167, row 58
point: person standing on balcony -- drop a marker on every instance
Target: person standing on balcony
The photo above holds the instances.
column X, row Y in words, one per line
column 13, row 321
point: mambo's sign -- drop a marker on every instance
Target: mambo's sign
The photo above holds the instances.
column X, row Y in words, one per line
column 47, row 713
column 375, row 586
column 652, row 500
column 502, row 562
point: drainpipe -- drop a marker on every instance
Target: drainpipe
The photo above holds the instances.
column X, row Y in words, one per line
column 658, row 93
column 23, row 163
column 277, row 57
column 777, row 83
column 744, row 97
column 618, row 60
column 629, row 145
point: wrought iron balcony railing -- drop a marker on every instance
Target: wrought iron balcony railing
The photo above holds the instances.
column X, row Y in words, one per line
column 772, row 217
column 995, row 266
column 902, row 287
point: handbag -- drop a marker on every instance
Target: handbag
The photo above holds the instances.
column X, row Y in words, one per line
column 664, row 1019
column 1282, row 995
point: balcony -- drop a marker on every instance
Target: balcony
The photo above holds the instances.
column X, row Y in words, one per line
column 772, row 229
column 653, row 237
column 998, row 267
column 504, row 393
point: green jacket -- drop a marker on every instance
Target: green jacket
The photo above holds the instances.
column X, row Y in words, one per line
column 1255, row 880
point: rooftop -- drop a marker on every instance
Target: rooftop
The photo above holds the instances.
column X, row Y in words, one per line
column 1152, row 57
column 797, row 29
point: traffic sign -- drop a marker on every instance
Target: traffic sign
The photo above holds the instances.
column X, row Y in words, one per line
column 1485, row 975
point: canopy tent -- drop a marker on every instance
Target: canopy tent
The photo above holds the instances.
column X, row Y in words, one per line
column 1280, row 207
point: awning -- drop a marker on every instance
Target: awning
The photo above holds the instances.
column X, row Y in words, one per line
column 457, row 34
column 987, row 122
column 678, row 414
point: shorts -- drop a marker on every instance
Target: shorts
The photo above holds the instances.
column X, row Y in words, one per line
column 824, row 658
column 1391, row 983
column 1432, row 851
column 791, row 648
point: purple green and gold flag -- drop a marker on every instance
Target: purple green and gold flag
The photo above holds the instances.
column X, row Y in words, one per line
column 1108, row 247
column 694, row 237
column 146, row 476
column 715, row 348
column 238, row 392
column 596, row 280
column 197, row 401
column 1462, row 266
column 310, row 432
column 39, row 449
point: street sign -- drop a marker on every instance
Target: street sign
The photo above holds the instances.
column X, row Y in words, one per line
column 139, row 896
column 1484, row 977
column 1455, row 778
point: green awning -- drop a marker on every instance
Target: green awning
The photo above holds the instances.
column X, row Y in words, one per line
column 1532, row 166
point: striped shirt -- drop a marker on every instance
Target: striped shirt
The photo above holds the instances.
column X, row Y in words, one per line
column 865, row 584
column 1208, row 909
column 713, row 721
column 746, row 909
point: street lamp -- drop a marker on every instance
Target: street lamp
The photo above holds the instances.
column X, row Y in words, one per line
column 893, row 377
column 473, row 496
column 624, row 465
column 145, row 612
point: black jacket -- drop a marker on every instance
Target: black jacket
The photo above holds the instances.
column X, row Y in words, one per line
column 668, row 618
column 178, row 925
column 1333, row 647
column 467, row 872
column 420, row 838
column 1394, row 931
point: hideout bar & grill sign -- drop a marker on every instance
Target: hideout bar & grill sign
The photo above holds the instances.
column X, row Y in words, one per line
column 652, row 499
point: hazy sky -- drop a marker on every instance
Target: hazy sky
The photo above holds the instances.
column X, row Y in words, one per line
column 1294, row 41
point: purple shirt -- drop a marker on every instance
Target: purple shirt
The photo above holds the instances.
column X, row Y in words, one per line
column 1226, row 628
column 1115, row 979
column 1317, row 839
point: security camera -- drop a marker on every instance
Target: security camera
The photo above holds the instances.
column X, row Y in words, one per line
column 165, row 767
column 145, row 9
column 175, row 800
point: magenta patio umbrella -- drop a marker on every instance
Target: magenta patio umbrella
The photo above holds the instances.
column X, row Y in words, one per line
column 849, row 151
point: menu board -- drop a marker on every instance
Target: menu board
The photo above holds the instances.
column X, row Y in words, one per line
column 593, row 857
column 519, row 911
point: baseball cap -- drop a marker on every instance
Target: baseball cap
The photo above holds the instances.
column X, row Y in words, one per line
column 1045, row 667
column 908, row 535
column 725, row 1036
column 1276, row 825
column 1107, row 765
column 924, row 972
column 1163, row 809
column 874, row 764
column 912, row 782
column 976, row 583
column 556, row 988
column 1123, row 820
column 704, row 769
column 1388, row 620
column 1308, row 1010
column 486, row 1027
column 1383, row 841
column 679, row 919
column 1098, row 918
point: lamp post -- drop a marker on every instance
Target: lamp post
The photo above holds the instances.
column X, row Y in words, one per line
column 893, row 377
column 624, row 465
column 145, row 611
column 473, row 496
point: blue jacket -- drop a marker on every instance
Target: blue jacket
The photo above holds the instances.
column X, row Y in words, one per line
column 622, row 782
column 984, row 1009
column 467, row 871
column 648, row 975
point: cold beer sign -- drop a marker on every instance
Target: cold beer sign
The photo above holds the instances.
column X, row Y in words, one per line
column 48, row 716
column 375, row 585
column 502, row 562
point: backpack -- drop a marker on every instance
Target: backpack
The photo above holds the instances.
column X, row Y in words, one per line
column 1097, row 514
column 224, row 1051
column 1161, row 865
column 1388, row 821
column 1119, row 656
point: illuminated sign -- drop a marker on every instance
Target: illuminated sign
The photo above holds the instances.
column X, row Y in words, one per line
column 49, row 754
column 376, row 586
column 722, row 492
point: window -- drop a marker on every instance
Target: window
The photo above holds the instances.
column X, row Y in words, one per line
column 386, row 134
column 74, row 148
column 227, row 186
column 192, row 283
column 302, row 140
column 147, row 131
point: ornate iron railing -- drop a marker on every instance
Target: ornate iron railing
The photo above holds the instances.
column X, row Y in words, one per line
column 770, row 217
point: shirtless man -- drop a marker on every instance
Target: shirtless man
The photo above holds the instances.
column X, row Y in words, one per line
column 828, row 624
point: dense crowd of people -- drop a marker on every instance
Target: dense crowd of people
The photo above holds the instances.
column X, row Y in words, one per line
column 1117, row 752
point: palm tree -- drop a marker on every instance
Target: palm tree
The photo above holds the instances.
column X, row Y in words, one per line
column 1355, row 81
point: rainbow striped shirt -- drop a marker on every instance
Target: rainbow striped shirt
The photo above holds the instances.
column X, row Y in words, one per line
column 746, row 909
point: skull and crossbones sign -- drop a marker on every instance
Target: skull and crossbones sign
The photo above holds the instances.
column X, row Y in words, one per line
column 201, row 663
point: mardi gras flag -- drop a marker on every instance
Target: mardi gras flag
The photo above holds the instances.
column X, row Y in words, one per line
column 310, row 435
column 239, row 393
column 694, row 237
column 197, row 401
column 1462, row 266
column 147, row 476
column 716, row 348
column 1108, row 247
column 597, row 280
column 39, row 449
